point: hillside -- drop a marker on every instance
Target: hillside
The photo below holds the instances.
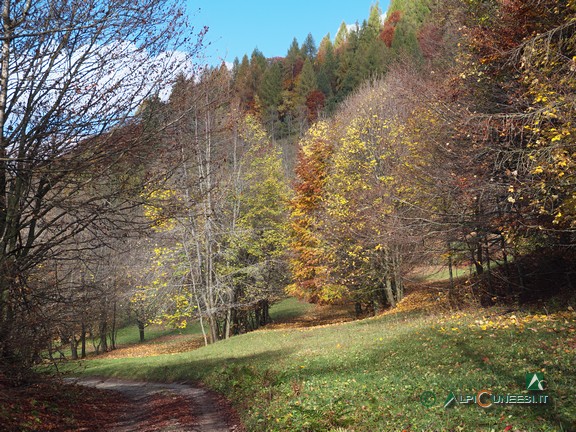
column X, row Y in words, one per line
column 408, row 183
column 372, row 374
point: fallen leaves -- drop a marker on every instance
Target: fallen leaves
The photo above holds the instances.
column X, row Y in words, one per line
column 173, row 344
column 49, row 405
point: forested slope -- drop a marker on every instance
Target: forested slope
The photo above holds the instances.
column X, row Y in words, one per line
column 441, row 134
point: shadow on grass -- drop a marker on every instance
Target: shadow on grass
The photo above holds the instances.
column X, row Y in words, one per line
column 180, row 367
column 501, row 367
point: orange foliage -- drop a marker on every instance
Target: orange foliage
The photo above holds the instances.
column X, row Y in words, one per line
column 315, row 104
column 311, row 170
column 394, row 18
column 387, row 34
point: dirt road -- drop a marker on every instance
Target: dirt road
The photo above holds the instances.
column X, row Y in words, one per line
column 166, row 407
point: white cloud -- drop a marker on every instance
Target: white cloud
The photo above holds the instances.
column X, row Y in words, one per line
column 355, row 26
column 352, row 27
column 91, row 85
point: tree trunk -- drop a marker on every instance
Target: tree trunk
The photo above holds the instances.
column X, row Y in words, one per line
column 506, row 263
column 74, row 347
column 389, row 292
column 488, row 266
column 113, row 330
column 265, row 312
column 104, row 336
column 228, row 323
column 83, row 341
column 450, row 273
column 387, row 279
column 257, row 317
column 358, row 309
column 477, row 258
column 213, row 324
column 141, row 330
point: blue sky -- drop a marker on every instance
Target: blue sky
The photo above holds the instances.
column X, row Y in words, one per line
column 236, row 27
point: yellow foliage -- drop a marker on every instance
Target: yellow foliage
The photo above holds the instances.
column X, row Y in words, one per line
column 157, row 209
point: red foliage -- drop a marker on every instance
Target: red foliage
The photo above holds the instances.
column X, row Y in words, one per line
column 394, row 18
column 314, row 103
column 517, row 21
column 387, row 34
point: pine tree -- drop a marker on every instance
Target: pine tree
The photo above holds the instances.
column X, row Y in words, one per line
column 325, row 43
column 327, row 67
column 293, row 62
column 341, row 36
column 349, row 69
column 307, row 82
column 242, row 84
column 270, row 93
column 309, row 100
column 270, row 90
column 308, row 49
column 374, row 22
column 258, row 63
column 235, row 66
column 406, row 18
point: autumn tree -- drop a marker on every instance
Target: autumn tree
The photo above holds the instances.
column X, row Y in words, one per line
column 255, row 263
column 366, row 191
column 70, row 73
column 219, row 216
column 308, row 261
column 520, row 80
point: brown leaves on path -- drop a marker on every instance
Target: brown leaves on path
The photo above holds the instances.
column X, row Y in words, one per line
column 167, row 407
column 49, row 405
column 106, row 405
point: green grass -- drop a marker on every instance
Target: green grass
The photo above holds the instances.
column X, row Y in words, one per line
column 130, row 335
column 289, row 309
column 442, row 273
column 369, row 375
column 284, row 310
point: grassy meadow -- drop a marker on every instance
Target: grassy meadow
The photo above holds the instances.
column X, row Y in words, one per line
column 371, row 374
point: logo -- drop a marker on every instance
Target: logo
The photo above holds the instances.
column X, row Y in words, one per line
column 428, row 399
column 451, row 399
column 534, row 381
column 487, row 398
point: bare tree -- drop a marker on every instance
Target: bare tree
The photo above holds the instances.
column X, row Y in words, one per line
column 71, row 74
